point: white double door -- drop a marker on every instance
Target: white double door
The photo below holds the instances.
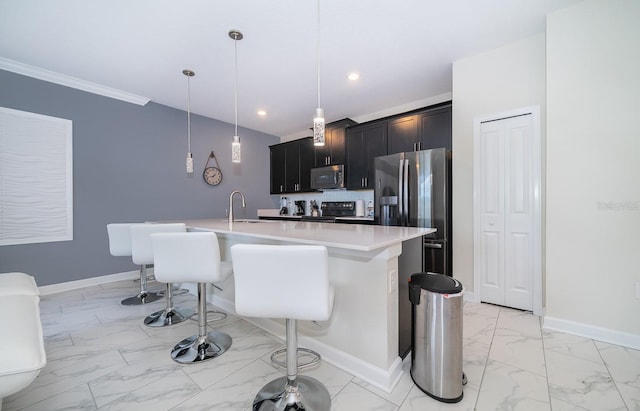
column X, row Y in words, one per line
column 507, row 211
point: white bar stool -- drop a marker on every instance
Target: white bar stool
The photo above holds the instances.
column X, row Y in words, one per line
column 193, row 257
column 142, row 253
column 295, row 280
column 120, row 246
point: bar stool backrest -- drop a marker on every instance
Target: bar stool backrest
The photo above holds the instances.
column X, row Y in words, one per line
column 282, row 281
column 188, row 257
column 141, row 246
column 120, row 239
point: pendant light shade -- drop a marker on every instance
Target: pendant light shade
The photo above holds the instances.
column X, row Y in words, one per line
column 318, row 119
column 189, row 163
column 318, row 127
column 236, row 156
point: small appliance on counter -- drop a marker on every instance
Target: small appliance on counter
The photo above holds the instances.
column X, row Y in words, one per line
column 301, row 206
column 284, row 210
column 359, row 208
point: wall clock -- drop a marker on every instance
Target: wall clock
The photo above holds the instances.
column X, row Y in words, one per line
column 212, row 175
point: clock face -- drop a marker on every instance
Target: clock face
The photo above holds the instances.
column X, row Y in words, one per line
column 212, row 176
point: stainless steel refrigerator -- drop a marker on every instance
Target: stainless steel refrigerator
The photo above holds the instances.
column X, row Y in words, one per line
column 414, row 189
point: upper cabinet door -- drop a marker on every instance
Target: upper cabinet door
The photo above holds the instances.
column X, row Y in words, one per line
column 291, row 164
column 422, row 130
column 356, row 164
column 292, row 167
column 278, row 160
column 403, row 134
column 363, row 144
column 334, row 147
column 435, row 128
column 306, row 163
column 376, row 144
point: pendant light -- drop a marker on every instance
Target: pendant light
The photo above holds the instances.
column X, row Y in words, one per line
column 235, row 144
column 189, row 74
column 318, row 119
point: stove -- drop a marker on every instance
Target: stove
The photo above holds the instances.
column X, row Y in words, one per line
column 338, row 208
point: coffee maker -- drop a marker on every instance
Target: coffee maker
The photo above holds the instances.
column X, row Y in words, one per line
column 301, row 206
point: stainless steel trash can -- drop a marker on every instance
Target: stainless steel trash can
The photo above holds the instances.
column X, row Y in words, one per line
column 436, row 331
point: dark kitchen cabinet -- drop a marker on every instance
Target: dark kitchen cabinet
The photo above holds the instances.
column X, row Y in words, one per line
column 278, row 159
column 363, row 144
column 333, row 151
column 423, row 130
column 403, row 134
column 291, row 166
column 435, row 128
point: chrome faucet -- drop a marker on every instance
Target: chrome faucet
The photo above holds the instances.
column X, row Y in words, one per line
column 244, row 205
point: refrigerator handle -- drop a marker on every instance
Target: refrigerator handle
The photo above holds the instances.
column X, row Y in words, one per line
column 405, row 198
column 400, row 194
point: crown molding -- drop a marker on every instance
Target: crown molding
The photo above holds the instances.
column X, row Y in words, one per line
column 68, row 81
column 414, row 105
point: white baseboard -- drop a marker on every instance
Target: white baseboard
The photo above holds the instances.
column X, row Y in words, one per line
column 593, row 332
column 88, row 282
column 468, row 296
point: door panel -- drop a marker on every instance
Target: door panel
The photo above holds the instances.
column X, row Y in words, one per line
column 506, row 219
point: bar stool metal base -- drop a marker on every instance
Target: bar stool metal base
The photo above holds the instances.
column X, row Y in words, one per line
column 195, row 349
column 144, row 296
column 141, row 298
column 310, row 395
column 168, row 317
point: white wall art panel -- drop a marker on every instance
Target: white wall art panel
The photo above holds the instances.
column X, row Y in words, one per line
column 36, row 178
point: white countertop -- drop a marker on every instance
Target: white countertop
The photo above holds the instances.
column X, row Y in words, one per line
column 347, row 236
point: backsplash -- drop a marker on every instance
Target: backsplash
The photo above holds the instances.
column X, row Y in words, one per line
column 330, row 195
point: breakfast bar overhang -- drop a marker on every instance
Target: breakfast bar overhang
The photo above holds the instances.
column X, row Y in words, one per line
column 364, row 261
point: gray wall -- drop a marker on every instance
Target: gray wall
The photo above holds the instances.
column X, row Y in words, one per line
column 128, row 166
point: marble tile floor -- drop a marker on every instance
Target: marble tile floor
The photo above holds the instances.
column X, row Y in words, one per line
column 100, row 356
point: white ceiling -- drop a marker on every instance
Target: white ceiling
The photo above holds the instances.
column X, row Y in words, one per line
column 403, row 50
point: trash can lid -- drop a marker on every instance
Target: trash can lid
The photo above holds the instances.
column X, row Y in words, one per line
column 437, row 283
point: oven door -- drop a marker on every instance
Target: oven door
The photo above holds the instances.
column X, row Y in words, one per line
column 434, row 256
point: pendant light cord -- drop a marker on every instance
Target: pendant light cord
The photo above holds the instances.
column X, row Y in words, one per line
column 235, row 42
column 318, row 51
column 188, row 114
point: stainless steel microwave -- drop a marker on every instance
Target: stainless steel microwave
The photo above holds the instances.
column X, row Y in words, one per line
column 327, row 178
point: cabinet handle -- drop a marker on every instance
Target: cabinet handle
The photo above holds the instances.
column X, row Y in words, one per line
column 419, row 145
column 366, row 181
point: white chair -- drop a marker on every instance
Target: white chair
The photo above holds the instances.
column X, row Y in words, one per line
column 193, row 257
column 22, row 353
column 120, row 246
column 142, row 253
column 292, row 282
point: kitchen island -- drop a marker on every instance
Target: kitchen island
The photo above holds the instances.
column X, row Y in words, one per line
column 362, row 335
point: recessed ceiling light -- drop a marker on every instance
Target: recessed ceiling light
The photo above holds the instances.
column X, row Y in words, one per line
column 353, row 76
column 262, row 113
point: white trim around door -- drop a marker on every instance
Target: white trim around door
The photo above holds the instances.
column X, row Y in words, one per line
column 534, row 192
